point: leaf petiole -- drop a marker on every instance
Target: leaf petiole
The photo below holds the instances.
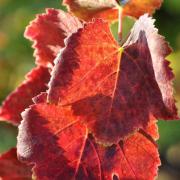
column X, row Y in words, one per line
column 120, row 13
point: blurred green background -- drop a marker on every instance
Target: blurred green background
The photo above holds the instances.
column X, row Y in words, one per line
column 16, row 60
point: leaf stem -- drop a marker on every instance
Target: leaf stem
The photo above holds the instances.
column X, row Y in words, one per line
column 120, row 17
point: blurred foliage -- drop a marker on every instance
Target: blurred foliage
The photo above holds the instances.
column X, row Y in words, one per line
column 8, row 135
column 16, row 60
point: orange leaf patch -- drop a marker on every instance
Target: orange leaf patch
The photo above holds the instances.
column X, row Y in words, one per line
column 108, row 9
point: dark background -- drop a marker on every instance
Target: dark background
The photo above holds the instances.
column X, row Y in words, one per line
column 16, row 60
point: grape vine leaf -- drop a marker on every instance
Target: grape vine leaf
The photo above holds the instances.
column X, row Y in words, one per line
column 36, row 82
column 114, row 90
column 137, row 8
column 48, row 32
column 108, row 9
column 69, row 151
column 11, row 168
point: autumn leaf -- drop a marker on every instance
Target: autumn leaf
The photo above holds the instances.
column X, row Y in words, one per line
column 108, row 9
column 114, row 90
column 159, row 49
column 137, row 8
column 12, row 169
column 59, row 146
column 48, row 32
column 36, row 82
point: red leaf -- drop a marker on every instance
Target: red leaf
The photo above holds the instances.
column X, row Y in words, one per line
column 108, row 9
column 48, row 32
column 59, row 146
column 36, row 82
column 52, row 132
column 12, row 169
column 113, row 92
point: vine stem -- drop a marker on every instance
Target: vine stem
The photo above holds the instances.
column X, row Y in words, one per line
column 120, row 17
